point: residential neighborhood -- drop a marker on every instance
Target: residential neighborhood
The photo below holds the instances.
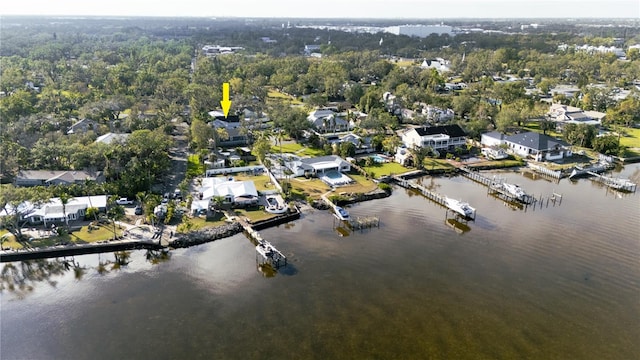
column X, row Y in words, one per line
column 359, row 180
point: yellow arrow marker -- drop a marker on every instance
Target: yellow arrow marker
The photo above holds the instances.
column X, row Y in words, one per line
column 226, row 103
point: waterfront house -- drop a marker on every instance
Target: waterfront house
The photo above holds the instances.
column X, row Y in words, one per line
column 56, row 177
column 534, row 145
column 492, row 139
column 441, row 138
column 52, row 211
column 318, row 166
column 233, row 193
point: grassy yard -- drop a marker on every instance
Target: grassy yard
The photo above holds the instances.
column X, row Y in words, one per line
column 535, row 126
column 362, row 185
column 384, row 169
column 201, row 222
column 297, row 149
column 406, row 63
column 389, row 168
column 254, row 215
column 277, row 95
column 304, row 188
column 630, row 138
column 101, row 232
column 262, row 182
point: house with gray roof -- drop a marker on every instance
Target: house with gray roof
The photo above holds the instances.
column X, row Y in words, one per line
column 534, row 145
column 318, row 166
column 109, row 138
column 56, row 177
column 564, row 114
column 326, row 120
column 82, row 126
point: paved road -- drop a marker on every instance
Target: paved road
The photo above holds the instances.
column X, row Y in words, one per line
column 178, row 155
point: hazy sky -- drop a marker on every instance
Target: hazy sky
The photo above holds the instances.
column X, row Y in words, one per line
column 331, row 8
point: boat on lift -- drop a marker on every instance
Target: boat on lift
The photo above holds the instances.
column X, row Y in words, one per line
column 515, row 191
column 461, row 207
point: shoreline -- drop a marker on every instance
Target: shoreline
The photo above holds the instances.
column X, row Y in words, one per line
column 182, row 241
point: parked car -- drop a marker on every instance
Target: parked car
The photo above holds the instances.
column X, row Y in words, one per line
column 124, row 201
column 138, row 210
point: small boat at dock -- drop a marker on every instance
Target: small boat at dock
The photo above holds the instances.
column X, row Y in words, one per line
column 341, row 214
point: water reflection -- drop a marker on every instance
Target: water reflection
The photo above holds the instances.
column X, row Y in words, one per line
column 22, row 277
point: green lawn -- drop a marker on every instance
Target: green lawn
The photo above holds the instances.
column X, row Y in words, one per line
column 303, row 188
column 262, row 182
column 535, row 126
column 100, row 232
column 384, row 169
column 362, row 185
column 297, row 149
column 254, row 215
column 201, row 222
column 389, row 168
column 630, row 138
column 277, row 95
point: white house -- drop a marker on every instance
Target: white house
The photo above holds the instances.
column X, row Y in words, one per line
column 439, row 64
column 534, row 145
column 362, row 144
column 564, row 114
column 325, row 120
column 234, row 193
column 492, row 139
column 318, row 166
column 446, row 137
column 52, row 211
column 437, row 114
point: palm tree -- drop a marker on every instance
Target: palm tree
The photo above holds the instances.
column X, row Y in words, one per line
column 64, row 200
column 115, row 213
column 88, row 184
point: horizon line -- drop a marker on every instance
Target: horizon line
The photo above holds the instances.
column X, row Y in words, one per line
column 317, row 18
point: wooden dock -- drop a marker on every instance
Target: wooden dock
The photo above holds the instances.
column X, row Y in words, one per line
column 554, row 174
column 266, row 253
column 615, row 183
column 496, row 188
column 431, row 195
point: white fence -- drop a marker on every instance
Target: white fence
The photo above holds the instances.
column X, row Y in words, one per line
column 214, row 172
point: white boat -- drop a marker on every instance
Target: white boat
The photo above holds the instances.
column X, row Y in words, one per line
column 341, row 213
column 515, row 191
column 461, row 207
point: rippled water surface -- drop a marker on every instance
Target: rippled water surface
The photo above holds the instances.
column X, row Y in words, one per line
column 561, row 281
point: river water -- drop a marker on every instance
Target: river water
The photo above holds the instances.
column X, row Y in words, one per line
column 561, row 281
